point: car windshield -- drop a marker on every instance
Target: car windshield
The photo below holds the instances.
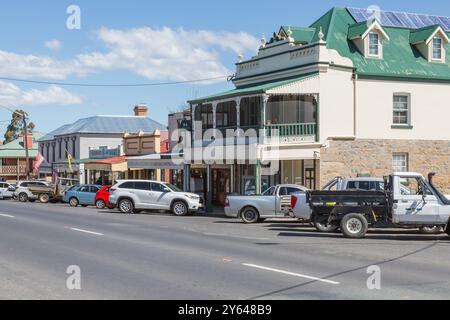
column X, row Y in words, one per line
column 172, row 187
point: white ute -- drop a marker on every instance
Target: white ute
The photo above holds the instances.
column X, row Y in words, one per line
column 273, row 203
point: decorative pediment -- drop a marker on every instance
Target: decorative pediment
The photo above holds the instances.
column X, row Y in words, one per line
column 361, row 30
column 425, row 35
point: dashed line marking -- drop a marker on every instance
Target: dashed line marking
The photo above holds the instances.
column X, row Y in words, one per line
column 291, row 273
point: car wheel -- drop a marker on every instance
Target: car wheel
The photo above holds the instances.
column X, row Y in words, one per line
column 250, row 215
column 100, row 204
column 44, row 198
column 431, row 230
column 321, row 225
column 23, row 197
column 126, row 206
column 179, row 208
column 74, row 202
column 354, row 226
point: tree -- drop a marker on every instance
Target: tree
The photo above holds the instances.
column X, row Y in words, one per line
column 16, row 126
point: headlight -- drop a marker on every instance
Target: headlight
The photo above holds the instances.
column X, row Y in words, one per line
column 192, row 197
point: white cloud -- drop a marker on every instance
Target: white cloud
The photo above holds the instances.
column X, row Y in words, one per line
column 31, row 66
column 153, row 53
column 167, row 54
column 10, row 94
column 53, row 45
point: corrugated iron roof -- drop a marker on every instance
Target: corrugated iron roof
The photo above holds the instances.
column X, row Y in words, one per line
column 106, row 124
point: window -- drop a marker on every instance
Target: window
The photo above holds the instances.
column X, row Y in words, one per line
column 289, row 191
column 414, row 187
column 437, row 48
column 157, row 187
column 84, row 189
column 140, row 185
column 401, row 110
column 269, row 192
column 374, row 44
column 226, row 114
column 94, row 189
column 400, row 162
column 127, row 185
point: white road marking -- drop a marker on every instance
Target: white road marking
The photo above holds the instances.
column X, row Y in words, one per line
column 87, row 231
column 6, row 215
column 290, row 273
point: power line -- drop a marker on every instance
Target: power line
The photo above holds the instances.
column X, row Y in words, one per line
column 68, row 84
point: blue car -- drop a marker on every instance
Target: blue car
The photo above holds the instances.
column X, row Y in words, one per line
column 83, row 195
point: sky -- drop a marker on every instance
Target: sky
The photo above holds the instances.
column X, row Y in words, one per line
column 138, row 41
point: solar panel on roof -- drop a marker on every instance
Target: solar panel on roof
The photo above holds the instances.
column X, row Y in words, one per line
column 401, row 19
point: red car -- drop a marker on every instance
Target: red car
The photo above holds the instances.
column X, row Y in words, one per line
column 102, row 198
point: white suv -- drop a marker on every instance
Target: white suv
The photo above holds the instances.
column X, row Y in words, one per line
column 23, row 194
column 136, row 195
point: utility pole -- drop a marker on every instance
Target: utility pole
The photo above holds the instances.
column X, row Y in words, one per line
column 27, row 154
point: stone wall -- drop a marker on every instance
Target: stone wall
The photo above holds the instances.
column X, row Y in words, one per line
column 374, row 157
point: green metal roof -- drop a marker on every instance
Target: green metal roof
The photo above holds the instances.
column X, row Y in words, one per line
column 250, row 90
column 400, row 58
column 423, row 34
column 300, row 35
column 357, row 30
column 15, row 149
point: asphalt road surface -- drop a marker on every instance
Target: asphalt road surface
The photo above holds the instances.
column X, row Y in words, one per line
column 159, row 256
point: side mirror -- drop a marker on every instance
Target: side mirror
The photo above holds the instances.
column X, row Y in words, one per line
column 167, row 190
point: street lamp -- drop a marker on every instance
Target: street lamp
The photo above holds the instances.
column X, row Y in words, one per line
column 25, row 130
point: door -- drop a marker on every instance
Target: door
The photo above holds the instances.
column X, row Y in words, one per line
column 160, row 197
column 143, row 193
column 310, row 182
column 92, row 193
column 84, row 194
column 414, row 202
column 283, row 201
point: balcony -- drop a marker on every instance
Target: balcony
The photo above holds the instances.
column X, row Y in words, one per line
column 290, row 133
column 12, row 170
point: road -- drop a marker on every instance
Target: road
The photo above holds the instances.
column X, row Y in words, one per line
column 158, row 256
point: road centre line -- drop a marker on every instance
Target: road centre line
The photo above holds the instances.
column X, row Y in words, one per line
column 87, row 231
column 6, row 215
column 290, row 273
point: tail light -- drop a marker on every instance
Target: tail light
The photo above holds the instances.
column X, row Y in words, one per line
column 227, row 202
column 112, row 190
column 294, row 200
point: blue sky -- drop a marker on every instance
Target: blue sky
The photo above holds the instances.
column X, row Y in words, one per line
column 139, row 42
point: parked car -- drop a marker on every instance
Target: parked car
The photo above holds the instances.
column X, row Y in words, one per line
column 102, row 198
column 83, row 195
column 5, row 191
column 273, row 203
column 136, row 195
column 301, row 209
column 22, row 192
column 52, row 192
column 355, row 211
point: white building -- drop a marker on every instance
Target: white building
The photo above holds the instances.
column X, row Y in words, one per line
column 349, row 96
column 91, row 138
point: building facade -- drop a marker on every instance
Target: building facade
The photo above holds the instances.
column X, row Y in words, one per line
column 345, row 96
column 13, row 157
column 91, row 138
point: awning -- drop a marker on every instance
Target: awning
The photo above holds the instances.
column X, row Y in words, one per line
column 297, row 84
column 156, row 161
column 114, row 164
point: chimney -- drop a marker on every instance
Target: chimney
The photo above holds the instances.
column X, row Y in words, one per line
column 30, row 140
column 141, row 110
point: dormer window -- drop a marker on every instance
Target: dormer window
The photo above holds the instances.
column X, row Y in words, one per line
column 437, row 48
column 369, row 38
column 430, row 42
column 374, row 44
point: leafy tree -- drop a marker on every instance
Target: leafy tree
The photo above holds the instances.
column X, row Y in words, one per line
column 16, row 126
